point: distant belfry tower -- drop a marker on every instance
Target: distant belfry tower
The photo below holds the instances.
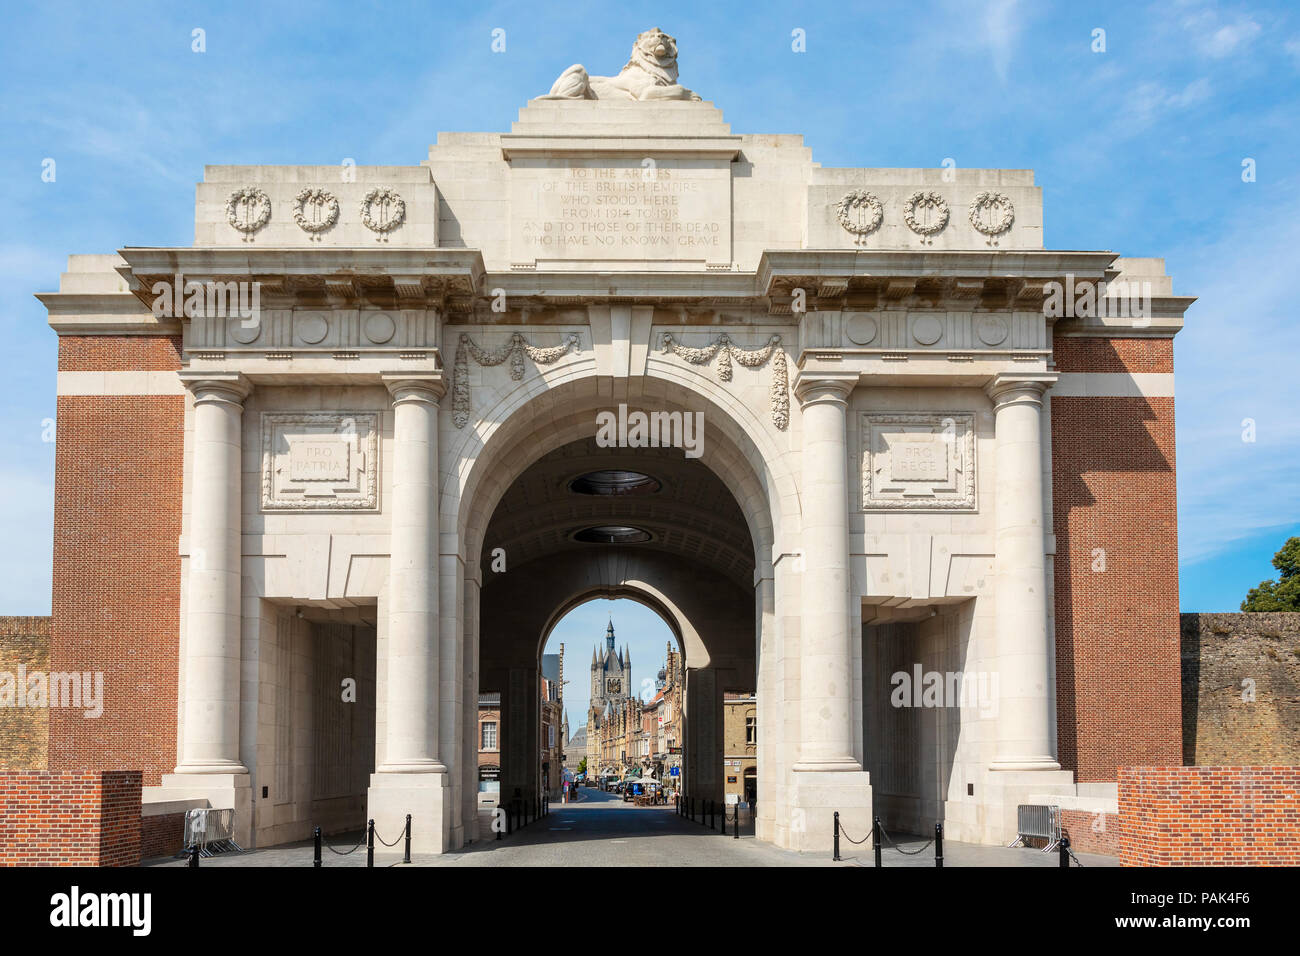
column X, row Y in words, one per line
column 611, row 673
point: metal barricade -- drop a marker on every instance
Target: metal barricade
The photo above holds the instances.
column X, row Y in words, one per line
column 1039, row 822
column 212, row 831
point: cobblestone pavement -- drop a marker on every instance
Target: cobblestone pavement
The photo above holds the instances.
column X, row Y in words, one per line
column 602, row 830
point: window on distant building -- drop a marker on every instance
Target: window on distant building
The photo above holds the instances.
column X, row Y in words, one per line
column 751, row 729
column 489, row 741
column 550, row 735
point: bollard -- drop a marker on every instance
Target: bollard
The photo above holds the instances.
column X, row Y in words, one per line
column 496, row 821
column 736, row 835
column 875, row 837
column 712, row 810
column 406, row 857
column 835, row 842
column 315, row 861
column 724, row 820
column 1065, row 851
column 938, row 845
column 194, row 855
column 370, row 844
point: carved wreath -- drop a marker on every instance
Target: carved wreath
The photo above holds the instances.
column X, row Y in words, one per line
column 385, row 198
column 725, row 350
column 515, row 351
column 938, row 219
column 245, row 200
column 860, row 213
column 1003, row 214
column 326, row 206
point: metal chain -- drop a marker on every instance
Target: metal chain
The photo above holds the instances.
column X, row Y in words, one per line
column 895, row 846
column 849, row 838
column 343, row 852
column 394, row 843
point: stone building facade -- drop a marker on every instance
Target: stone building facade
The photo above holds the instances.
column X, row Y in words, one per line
column 884, row 440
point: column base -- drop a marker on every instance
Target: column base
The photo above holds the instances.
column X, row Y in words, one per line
column 425, row 796
column 998, row 794
column 815, row 796
column 1035, row 764
column 221, row 791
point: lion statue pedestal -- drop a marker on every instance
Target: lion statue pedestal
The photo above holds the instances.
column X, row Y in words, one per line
column 650, row 74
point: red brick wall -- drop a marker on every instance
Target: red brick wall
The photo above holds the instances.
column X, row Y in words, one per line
column 1209, row 816
column 1091, row 833
column 69, row 818
column 117, row 520
column 162, row 835
column 1117, row 630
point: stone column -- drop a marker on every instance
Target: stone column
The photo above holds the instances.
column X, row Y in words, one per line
column 1025, row 736
column 412, row 779
column 825, row 671
column 826, row 778
column 413, row 651
column 210, row 743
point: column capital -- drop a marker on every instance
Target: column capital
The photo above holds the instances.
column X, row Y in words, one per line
column 229, row 387
column 1019, row 387
column 426, row 387
column 813, row 388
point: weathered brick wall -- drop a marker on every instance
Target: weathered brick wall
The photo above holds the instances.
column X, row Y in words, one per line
column 1113, row 491
column 1209, row 816
column 1241, row 689
column 117, row 520
column 1090, row 832
column 24, row 731
column 162, row 835
column 69, row 818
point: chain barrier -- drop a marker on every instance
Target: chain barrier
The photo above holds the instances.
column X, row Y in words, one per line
column 360, row 843
column 895, row 846
column 846, row 833
column 385, row 842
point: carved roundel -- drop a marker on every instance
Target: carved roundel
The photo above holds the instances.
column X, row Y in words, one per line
column 315, row 210
column 991, row 329
column 860, row 328
column 992, row 214
column 927, row 329
column 248, row 210
column 383, row 210
column 860, row 213
column 311, row 328
column 926, row 214
column 379, row 327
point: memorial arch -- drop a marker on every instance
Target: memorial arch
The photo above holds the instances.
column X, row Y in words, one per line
column 319, row 423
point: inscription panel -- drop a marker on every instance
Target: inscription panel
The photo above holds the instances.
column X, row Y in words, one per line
column 621, row 209
column 318, row 461
column 918, row 462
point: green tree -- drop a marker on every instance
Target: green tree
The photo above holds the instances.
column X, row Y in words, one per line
column 582, row 765
column 1284, row 593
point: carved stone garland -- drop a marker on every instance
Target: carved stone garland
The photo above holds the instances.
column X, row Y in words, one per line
column 515, row 351
column 725, row 350
column 938, row 214
column 240, row 210
column 1001, row 211
column 382, row 200
column 324, row 207
column 860, row 213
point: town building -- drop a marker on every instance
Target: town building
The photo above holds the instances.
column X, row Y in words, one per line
column 740, row 747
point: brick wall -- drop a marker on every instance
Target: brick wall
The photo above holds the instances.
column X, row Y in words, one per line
column 1113, row 494
column 117, row 520
column 1090, row 832
column 69, row 818
column 1241, row 689
column 24, row 731
column 162, row 835
column 1209, row 816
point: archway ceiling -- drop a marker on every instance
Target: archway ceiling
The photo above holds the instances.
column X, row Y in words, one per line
column 693, row 515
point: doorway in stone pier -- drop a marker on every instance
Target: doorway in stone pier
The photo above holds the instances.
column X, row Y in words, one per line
column 662, row 537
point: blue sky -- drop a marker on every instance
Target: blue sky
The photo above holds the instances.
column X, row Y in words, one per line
column 1138, row 149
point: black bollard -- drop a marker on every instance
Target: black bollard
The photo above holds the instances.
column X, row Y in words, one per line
column 497, row 821
column 712, row 809
column 875, row 837
column 315, row 861
column 938, row 845
column 835, row 843
column 370, row 843
column 194, row 855
column 724, row 820
column 1065, row 851
column 736, row 835
column 406, row 857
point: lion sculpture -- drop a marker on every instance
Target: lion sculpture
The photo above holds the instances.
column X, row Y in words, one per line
column 650, row 74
